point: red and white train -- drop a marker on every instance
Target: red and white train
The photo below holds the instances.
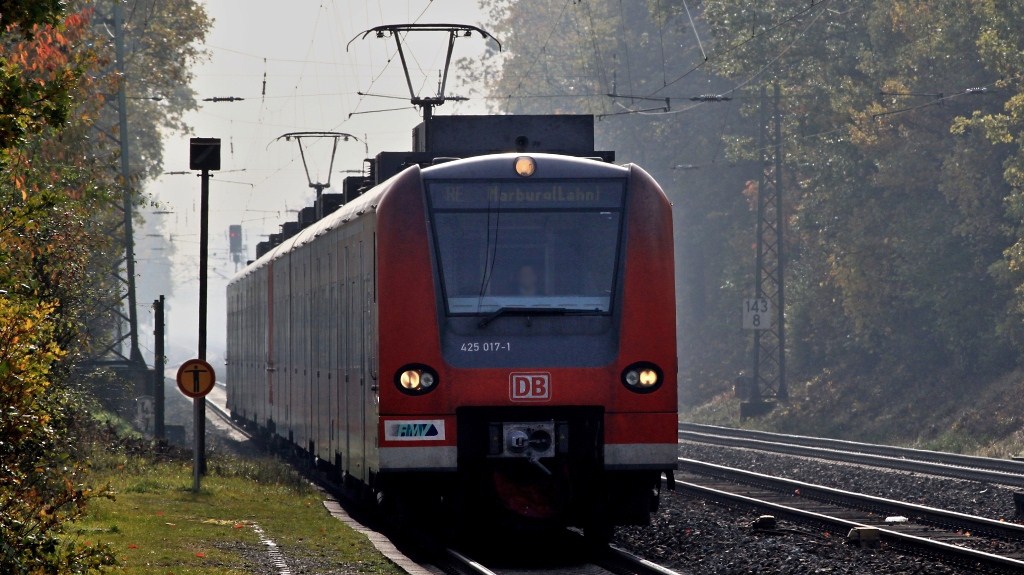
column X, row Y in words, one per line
column 494, row 334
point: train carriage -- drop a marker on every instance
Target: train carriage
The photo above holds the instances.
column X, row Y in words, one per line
column 495, row 333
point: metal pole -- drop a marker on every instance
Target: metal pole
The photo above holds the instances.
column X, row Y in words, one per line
column 755, row 388
column 319, row 200
column 780, row 219
column 158, row 371
column 122, row 113
column 199, row 403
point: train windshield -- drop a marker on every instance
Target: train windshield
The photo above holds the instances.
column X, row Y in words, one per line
column 523, row 246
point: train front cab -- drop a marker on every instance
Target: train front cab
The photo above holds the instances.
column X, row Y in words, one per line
column 553, row 402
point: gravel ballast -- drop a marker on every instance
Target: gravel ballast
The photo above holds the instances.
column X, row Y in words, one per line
column 697, row 537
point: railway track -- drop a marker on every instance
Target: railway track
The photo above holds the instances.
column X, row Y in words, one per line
column 988, row 470
column 974, row 542
column 581, row 558
column 572, row 558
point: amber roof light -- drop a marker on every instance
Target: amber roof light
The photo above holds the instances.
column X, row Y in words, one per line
column 525, row 166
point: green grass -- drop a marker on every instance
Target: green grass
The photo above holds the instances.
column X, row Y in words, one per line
column 156, row 524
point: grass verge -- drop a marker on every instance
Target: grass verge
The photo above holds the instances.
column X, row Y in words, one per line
column 156, row 524
column 975, row 416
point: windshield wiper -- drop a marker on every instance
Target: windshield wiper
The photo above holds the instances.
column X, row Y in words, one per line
column 532, row 311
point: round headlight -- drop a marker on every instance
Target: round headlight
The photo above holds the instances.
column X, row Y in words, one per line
column 426, row 380
column 632, row 377
column 410, row 379
column 415, row 379
column 642, row 377
column 648, row 377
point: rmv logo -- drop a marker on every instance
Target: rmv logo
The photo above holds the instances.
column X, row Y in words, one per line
column 530, row 386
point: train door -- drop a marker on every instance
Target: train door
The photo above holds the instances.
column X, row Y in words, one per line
column 314, row 323
column 306, row 368
column 290, row 344
column 298, row 412
column 370, row 357
column 295, row 303
column 323, row 342
column 260, row 375
column 342, row 407
column 250, row 375
column 270, row 360
column 361, row 352
column 232, row 343
column 337, row 283
column 351, row 397
column 327, row 334
column 253, row 373
column 282, row 358
column 355, row 382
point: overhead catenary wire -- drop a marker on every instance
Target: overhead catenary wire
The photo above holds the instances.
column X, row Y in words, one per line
column 264, row 91
column 725, row 95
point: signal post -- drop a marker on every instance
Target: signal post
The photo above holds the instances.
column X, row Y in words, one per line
column 204, row 155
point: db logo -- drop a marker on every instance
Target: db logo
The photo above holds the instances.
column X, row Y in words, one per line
column 530, row 386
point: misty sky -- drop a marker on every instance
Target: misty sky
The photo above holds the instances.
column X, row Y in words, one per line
column 290, row 64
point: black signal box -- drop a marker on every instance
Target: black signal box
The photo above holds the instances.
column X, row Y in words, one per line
column 204, row 154
column 235, row 238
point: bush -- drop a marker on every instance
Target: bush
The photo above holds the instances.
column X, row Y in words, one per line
column 42, row 484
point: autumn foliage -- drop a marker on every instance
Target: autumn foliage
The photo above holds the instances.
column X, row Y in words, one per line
column 42, row 482
column 39, row 71
column 55, row 187
column 62, row 196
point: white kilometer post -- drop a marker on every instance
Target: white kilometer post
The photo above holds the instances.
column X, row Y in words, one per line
column 757, row 313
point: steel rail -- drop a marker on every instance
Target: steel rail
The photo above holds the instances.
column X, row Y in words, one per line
column 921, row 514
column 871, row 503
column 902, row 540
column 464, row 564
column 636, row 565
column 957, row 459
column 884, row 461
column 606, row 559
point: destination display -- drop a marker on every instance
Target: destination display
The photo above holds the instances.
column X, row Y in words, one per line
column 466, row 195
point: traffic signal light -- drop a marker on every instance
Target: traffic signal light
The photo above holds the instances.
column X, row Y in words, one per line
column 235, row 237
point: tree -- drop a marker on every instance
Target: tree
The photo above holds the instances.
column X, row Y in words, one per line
column 896, row 219
column 869, row 96
column 35, row 80
column 59, row 188
column 162, row 42
column 993, row 143
column 41, row 483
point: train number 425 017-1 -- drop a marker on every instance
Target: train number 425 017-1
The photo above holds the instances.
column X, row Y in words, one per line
column 473, row 346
